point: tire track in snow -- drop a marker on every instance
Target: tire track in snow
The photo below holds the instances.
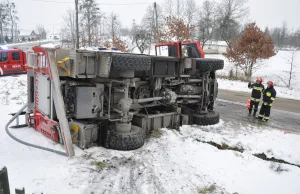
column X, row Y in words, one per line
column 159, row 167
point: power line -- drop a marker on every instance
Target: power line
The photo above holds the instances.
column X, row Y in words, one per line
column 49, row 1
column 53, row 1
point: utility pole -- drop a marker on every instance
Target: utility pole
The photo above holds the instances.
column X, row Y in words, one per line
column 156, row 23
column 152, row 29
column 77, row 25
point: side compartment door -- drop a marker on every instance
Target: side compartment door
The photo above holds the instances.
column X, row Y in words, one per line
column 16, row 61
column 4, row 67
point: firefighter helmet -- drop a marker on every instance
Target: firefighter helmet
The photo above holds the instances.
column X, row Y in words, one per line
column 260, row 79
column 270, row 83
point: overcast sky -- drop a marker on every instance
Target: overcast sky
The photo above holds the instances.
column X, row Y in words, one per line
column 269, row 13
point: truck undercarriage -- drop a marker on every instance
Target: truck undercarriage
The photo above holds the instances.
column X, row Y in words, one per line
column 116, row 100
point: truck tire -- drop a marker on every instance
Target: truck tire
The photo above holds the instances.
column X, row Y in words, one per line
column 134, row 62
column 211, row 118
column 206, row 64
column 127, row 141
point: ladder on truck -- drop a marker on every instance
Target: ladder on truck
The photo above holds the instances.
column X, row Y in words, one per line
column 59, row 104
column 50, row 56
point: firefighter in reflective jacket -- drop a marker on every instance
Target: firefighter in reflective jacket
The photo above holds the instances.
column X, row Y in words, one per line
column 257, row 89
column 269, row 96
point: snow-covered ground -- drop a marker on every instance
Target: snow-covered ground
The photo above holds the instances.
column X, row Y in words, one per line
column 282, row 92
column 176, row 162
column 51, row 45
column 26, row 43
column 273, row 69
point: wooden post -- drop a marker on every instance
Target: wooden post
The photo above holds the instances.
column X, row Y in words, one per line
column 4, row 183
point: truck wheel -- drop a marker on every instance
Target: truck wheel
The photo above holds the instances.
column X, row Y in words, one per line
column 211, row 118
column 124, row 61
column 127, row 141
column 206, row 64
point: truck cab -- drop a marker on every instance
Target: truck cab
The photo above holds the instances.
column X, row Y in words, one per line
column 180, row 49
column 12, row 61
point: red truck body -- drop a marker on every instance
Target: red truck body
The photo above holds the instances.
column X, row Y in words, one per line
column 12, row 61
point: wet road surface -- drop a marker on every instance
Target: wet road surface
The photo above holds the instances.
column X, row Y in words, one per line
column 285, row 113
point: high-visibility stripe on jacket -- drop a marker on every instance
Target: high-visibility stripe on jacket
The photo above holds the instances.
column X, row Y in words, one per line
column 257, row 90
column 269, row 96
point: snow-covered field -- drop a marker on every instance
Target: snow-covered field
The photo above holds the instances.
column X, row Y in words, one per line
column 176, row 162
column 282, row 92
column 272, row 69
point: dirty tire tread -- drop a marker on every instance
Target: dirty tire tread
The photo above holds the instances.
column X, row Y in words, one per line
column 127, row 141
column 211, row 118
column 132, row 62
column 206, row 64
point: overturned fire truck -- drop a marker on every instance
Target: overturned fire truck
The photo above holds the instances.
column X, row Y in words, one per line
column 115, row 99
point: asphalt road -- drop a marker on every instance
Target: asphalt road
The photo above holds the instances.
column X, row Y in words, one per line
column 285, row 113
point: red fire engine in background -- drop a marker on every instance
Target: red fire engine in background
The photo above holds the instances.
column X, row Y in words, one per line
column 12, row 61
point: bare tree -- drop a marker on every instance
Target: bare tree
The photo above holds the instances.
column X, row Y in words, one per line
column 90, row 12
column 190, row 11
column 174, row 8
column 114, row 30
column 283, row 33
column 4, row 15
column 291, row 58
column 65, row 37
column 154, row 24
column 114, row 26
column 267, row 32
column 13, row 17
column 41, row 31
column 207, row 22
column 69, row 30
column 276, row 36
column 179, row 7
column 231, row 14
column 142, row 38
column 297, row 38
column 283, row 36
column 168, row 8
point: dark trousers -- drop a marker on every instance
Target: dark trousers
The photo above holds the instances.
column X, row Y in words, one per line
column 255, row 104
column 265, row 111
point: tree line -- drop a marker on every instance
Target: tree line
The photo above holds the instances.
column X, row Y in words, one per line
column 283, row 36
column 8, row 21
column 173, row 20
